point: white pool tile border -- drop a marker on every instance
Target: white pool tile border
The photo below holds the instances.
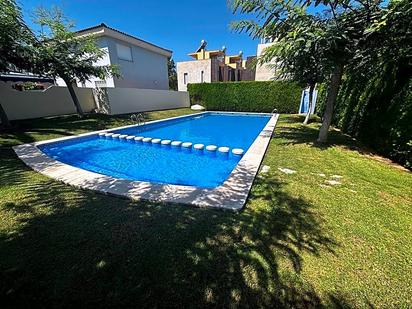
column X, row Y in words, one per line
column 232, row 194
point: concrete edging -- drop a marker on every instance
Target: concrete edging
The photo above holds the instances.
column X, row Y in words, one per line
column 232, row 194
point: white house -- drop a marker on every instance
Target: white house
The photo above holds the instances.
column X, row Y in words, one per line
column 264, row 72
column 141, row 64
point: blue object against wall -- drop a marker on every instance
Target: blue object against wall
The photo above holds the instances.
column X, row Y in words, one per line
column 304, row 101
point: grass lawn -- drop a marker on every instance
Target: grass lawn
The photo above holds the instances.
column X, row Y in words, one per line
column 299, row 242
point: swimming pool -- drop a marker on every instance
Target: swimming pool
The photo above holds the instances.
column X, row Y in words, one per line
column 157, row 171
column 163, row 163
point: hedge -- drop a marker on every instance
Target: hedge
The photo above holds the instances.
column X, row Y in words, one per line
column 377, row 110
column 247, row 96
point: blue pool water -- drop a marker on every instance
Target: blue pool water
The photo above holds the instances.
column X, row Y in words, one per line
column 165, row 164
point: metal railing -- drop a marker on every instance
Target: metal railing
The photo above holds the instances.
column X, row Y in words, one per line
column 139, row 119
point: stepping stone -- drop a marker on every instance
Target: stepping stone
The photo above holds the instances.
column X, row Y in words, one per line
column 147, row 140
column 198, row 146
column 115, row 135
column 265, row 169
column 138, row 138
column 187, row 145
column 211, row 148
column 237, row 151
column 166, row 142
column 286, row 170
column 333, row 182
column 176, row 143
column 156, row 141
column 223, row 149
column 130, row 138
column 336, row 176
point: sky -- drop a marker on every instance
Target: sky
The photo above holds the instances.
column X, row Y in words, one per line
column 177, row 25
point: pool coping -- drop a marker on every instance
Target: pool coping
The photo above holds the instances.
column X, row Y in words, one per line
column 232, row 194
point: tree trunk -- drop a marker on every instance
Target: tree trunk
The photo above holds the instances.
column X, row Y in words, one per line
column 74, row 97
column 311, row 89
column 3, row 117
column 330, row 102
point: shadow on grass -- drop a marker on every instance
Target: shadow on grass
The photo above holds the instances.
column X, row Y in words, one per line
column 308, row 134
column 77, row 248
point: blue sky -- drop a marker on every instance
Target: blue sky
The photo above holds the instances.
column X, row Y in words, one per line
column 177, row 25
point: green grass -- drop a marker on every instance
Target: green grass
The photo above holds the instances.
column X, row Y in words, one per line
column 299, row 242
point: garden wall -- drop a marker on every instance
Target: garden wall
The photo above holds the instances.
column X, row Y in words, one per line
column 52, row 101
column 247, row 96
column 116, row 101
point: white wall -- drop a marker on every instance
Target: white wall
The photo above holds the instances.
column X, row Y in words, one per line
column 193, row 69
column 130, row 100
column 147, row 70
column 51, row 102
column 56, row 101
column 264, row 72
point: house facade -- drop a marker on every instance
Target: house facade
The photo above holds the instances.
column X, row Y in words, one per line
column 213, row 66
column 264, row 72
column 141, row 64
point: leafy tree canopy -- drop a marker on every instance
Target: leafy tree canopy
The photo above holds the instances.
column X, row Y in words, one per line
column 171, row 68
column 311, row 45
column 63, row 53
column 16, row 40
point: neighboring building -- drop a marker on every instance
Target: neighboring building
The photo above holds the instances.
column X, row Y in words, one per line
column 213, row 66
column 141, row 64
column 264, row 72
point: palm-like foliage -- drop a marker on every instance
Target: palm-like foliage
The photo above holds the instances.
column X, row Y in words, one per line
column 16, row 40
column 336, row 35
column 55, row 51
column 16, row 44
column 301, row 54
column 62, row 53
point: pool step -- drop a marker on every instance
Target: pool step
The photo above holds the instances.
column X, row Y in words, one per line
column 186, row 146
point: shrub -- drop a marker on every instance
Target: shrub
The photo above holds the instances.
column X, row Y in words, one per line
column 376, row 110
column 247, row 96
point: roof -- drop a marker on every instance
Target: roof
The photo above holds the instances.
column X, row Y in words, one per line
column 104, row 30
column 25, row 77
column 211, row 53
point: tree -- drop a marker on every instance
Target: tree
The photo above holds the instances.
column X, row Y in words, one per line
column 344, row 24
column 374, row 103
column 16, row 44
column 62, row 53
column 171, row 67
column 301, row 54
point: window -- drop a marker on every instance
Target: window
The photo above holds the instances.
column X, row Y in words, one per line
column 185, row 78
column 202, row 77
column 124, row 52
